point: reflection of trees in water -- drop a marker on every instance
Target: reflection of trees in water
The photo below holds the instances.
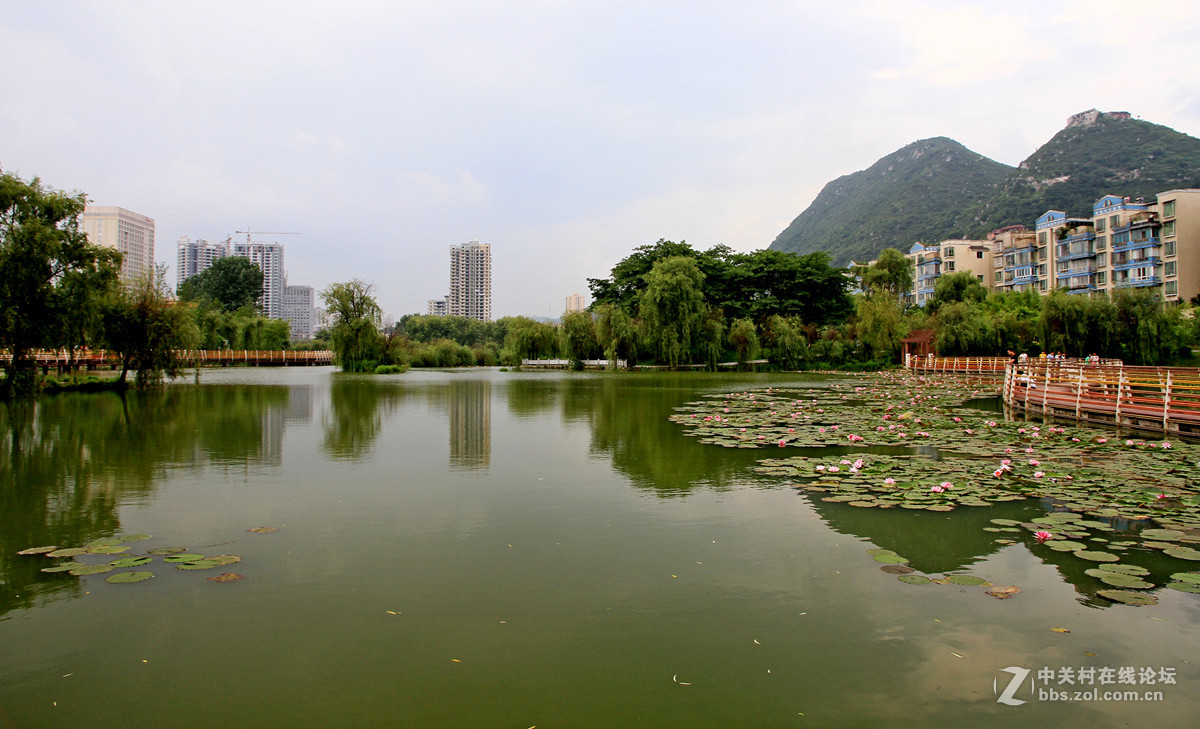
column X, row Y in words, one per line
column 68, row 462
column 532, row 396
column 628, row 417
column 934, row 542
column 355, row 415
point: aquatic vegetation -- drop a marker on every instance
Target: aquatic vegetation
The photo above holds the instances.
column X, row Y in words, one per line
column 915, row 443
column 177, row 556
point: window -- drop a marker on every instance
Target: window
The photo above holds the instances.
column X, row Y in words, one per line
column 1101, row 259
column 1171, row 288
column 1168, row 208
column 949, row 266
column 1169, row 248
column 1101, row 278
column 1169, row 268
column 1042, row 270
column 1042, row 238
column 1101, row 242
column 979, row 254
column 1100, row 225
column 949, row 251
column 1041, row 254
column 980, row 277
column 1168, row 228
column 999, row 276
column 1042, row 284
column 1114, row 221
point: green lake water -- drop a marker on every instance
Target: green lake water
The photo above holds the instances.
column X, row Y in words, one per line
column 498, row 549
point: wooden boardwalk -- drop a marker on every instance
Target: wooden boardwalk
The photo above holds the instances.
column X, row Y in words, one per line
column 1165, row 399
column 102, row 359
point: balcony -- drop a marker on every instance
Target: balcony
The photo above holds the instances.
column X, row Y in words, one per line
column 1136, row 282
column 1124, row 263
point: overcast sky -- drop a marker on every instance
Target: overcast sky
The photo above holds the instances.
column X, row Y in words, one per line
column 562, row 133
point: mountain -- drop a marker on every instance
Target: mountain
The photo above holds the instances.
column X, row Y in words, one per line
column 1097, row 154
column 936, row 189
column 916, row 193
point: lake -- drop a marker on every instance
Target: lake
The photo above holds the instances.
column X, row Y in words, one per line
column 514, row 549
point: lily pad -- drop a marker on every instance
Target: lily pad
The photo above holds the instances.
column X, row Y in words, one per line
column 227, row 577
column 122, row 578
column 890, row 559
column 1128, row 598
column 92, row 569
column 897, row 569
column 966, row 580
column 108, row 549
column 186, row 557
column 1003, row 593
column 37, row 550
column 224, row 559
column 131, row 562
column 199, row 564
column 103, row 542
column 159, row 551
column 134, row 537
column 64, row 567
column 914, row 579
column 1097, row 556
column 1187, row 577
column 1191, row 587
column 67, row 552
column 1125, row 569
column 1183, row 553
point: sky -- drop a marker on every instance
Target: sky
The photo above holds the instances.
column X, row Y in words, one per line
column 562, row 133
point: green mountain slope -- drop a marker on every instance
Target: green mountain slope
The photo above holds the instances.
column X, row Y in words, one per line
column 916, row 193
column 937, row 189
column 1097, row 154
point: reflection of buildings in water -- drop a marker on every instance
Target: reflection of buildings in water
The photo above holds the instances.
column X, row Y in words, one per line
column 300, row 404
column 469, row 403
column 275, row 419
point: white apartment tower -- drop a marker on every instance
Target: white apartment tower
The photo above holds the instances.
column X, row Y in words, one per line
column 128, row 232
column 575, row 302
column 299, row 310
column 196, row 256
column 269, row 259
column 471, row 281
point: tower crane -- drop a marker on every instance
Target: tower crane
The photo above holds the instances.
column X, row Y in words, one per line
column 264, row 232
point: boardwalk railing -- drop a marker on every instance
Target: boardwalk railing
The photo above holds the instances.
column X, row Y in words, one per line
column 94, row 358
column 562, row 364
column 963, row 365
column 1147, row 398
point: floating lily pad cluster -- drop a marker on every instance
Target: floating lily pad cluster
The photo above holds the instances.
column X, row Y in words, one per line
column 897, row 565
column 176, row 556
column 1110, row 494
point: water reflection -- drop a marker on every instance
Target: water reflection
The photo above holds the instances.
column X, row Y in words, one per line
column 470, row 408
column 69, row 463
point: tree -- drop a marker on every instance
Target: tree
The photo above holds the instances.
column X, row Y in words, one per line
column 672, row 307
column 961, row 330
column 230, row 283
column 578, row 336
column 892, row 273
column 788, row 343
column 953, row 287
column 357, row 342
column 148, row 330
column 744, row 339
column 881, row 323
column 43, row 254
column 617, row 333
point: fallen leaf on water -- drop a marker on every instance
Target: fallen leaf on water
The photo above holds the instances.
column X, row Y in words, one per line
column 261, row 530
column 956, row 655
column 1060, row 630
column 226, row 577
column 1003, row 593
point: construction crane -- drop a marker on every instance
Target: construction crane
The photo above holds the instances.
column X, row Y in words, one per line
column 263, row 232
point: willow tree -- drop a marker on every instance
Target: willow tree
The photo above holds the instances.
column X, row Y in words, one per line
column 357, row 341
column 672, row 308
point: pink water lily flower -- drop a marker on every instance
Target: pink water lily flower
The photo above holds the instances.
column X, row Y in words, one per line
column 889, row 481
column 1033, row 462
column 1042, row 536
column 1038, row 474
column 936, row 489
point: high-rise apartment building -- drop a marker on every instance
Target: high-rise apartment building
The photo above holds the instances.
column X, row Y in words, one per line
column 471, row 281
column 438, row 307
column 931, row 262
column 269, row 259
column 299, row 310
column 575, row 302
column 195, row 256
column 128, row 232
